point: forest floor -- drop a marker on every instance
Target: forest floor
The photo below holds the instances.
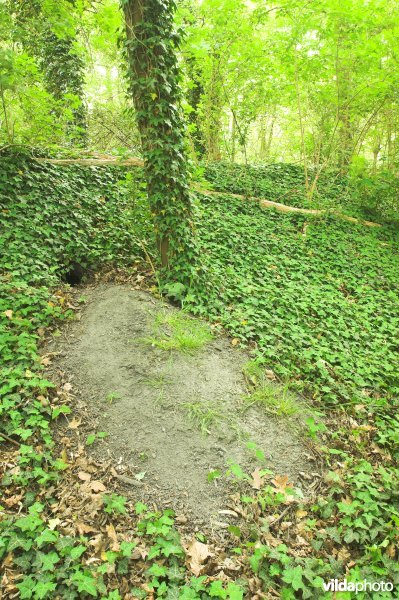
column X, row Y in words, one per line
column 111, row 398
column 171, row 415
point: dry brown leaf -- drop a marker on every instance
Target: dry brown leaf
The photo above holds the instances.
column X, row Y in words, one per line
column 270, row 374
column 8, row 314
column 83, row 528
column 198, row 554
column 8, row 560
column 257, row 480
column 110, row 529
column 281, row 483
column 12, row 500
column 74, row 424
column 98, row 543
column 97, row 486
column 343, row 555
column 84, row 476
column 301, row 541
column 138, row 554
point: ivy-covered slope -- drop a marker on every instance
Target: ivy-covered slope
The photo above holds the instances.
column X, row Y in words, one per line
column 318, row 300
column 54, row 216
column 279, row 182
column 320, row 297
column 357, row 193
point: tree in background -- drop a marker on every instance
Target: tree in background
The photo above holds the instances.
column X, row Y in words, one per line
column 46, row 85
column 63, row 70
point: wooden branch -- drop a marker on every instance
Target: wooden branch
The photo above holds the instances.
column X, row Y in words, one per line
column 9, row 439
column 95, row 162
column 287, row 209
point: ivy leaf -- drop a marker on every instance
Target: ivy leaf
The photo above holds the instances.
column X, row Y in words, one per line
column 48, row 561
column 77, row 551
column 293, row 576
column 43, row 588
column 26, row 587
column 85, row 582
column 47, row 536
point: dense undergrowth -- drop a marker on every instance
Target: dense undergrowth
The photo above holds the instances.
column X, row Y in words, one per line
column 317, row 300
column 356, row 193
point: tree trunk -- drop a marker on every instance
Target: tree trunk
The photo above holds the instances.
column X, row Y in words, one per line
column 213, row 111
column 150, row 48
column 233, row 138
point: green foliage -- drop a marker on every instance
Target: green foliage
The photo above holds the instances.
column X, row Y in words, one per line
column 64, row 78
column 203, row 415
column 53, row 217
column 322, row 309
column 377, row 196
column 114, row 504
column 279, row 182
column 274, row 398
column 304, row 575
column 100, row 435
column 43, row 102
column 166, row 576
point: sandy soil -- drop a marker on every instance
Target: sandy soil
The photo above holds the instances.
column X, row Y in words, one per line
column 141, row 396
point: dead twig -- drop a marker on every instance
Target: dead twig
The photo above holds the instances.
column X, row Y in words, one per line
column 9, row 439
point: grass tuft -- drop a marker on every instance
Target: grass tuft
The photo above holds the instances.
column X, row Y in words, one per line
column 203, row 415
column 274, row 398
column 178, row 331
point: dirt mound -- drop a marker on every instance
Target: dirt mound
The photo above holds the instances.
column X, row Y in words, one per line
column 171, row 416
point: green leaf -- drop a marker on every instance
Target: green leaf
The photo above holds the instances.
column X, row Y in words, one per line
column 43, row 588
column 294, row 577
column 85, row 582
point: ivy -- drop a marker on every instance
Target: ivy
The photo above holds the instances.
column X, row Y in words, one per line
column 150, row 47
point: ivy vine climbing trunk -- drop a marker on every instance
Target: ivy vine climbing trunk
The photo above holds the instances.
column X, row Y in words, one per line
column 151, row 43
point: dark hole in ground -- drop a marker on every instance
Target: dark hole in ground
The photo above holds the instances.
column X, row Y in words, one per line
column 75, row 274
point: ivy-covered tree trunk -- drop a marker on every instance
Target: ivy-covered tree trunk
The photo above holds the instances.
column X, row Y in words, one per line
column 61, row 65
column 151, row 43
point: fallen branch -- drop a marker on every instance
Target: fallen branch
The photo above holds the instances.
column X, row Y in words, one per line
column 95, row 162
column 287, row 209
column 138, row 162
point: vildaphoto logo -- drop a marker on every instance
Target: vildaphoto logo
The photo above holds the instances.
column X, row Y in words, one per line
column 335, row 585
